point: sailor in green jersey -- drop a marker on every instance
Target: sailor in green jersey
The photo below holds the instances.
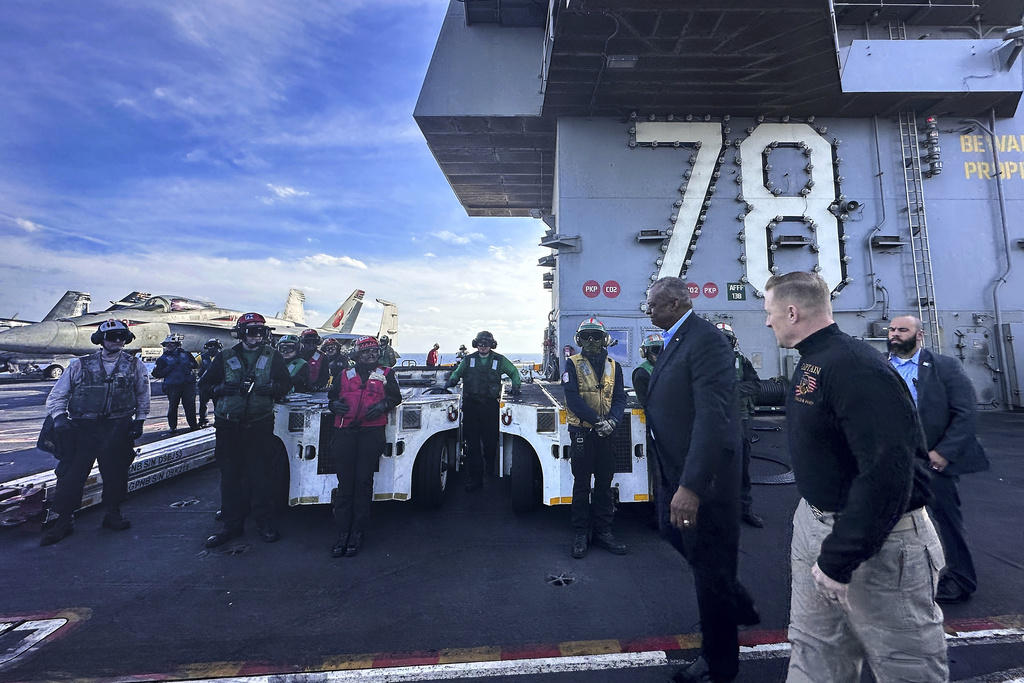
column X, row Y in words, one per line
column 245, row 380
column 298, row 368
column 481, row 373
column 747, row 386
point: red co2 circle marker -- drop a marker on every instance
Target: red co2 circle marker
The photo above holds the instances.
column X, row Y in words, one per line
column 612, row 289
column 694, row 289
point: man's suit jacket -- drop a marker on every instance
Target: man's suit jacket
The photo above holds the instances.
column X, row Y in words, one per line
column 946, row 405
column 691, row 408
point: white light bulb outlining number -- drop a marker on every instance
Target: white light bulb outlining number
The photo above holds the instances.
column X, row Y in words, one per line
column 709, row 135
column 767, row 206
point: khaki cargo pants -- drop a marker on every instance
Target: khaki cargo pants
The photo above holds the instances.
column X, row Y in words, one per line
column 892, row 619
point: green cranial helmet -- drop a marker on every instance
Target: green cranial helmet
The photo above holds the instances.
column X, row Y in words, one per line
column 652, row 343
column 592, row 330
column 288, row 344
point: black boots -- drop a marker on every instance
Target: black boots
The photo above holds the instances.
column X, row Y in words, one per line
column 58, row 530
column 579, row 544
column 355, row 542
column 348, row 545
column 115, row 520
column 222, row 537
column 608, row 542
column 339, row 548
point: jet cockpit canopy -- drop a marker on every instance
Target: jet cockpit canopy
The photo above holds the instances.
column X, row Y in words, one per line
column 167, row 303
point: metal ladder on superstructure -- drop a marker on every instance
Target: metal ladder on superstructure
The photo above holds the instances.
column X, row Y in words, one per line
column 923, row 281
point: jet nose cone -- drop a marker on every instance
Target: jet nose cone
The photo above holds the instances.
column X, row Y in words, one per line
column 46, row 337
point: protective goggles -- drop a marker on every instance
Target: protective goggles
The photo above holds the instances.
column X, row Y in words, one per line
column 483, row 343
column 118, row 336
column 255, row 331
column 591, row 335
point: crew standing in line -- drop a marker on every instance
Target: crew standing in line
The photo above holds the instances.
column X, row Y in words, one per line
column 650, row 347
column 481, row 373
column 360, row 399
column 947, row 408
column 245, row 380
column 177, row 368
column 747, row 385
column 432, row 357
column 594, row 400
column 298, row 368
column 210, row 350
column 309, row 345
column 865, row 556
column 332, row 362
column 99, row 407
column 388, row 356
column 695, row 427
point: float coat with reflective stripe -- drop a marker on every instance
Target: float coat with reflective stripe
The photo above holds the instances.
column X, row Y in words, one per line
column 99, row 395
column 360, row 397
column 597, row 396
column 252, row 406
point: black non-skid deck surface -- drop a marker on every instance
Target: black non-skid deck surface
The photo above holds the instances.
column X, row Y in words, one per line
column 471, row 574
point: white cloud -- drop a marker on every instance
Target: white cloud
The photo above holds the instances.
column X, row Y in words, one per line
column 287, row 192
column 328, row 261
column 27, row 226
column 452, row 238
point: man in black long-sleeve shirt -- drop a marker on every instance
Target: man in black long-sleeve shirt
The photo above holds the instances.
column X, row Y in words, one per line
column 865, row 556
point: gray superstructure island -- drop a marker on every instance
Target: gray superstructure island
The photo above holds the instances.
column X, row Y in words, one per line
column 880, row 144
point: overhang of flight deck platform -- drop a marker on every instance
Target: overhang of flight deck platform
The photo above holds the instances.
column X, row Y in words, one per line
column 504, row 71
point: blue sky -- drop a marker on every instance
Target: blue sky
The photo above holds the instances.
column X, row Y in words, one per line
column 231, row 149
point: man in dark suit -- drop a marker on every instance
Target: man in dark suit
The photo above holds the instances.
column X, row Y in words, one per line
column 946, row 406
column 696, row 431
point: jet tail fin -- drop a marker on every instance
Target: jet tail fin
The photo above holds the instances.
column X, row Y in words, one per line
column 344, row 318
column 388, row 320
column 128, row 300
column 71, row 305
column 293, row 308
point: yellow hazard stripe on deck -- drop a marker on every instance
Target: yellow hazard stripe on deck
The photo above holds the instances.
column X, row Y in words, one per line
column 347, row 662
column 689, row 641
column 211, row 669
column 590, row 647
column 469, row 654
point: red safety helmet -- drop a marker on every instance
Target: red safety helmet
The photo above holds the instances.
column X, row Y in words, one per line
column 251, row 320
column 367, row 344
column 309, row 335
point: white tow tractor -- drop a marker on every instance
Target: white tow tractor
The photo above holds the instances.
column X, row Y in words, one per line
column 535, row 449
column 423, row 443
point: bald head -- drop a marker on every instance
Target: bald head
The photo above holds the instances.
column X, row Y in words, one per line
column 906, row 336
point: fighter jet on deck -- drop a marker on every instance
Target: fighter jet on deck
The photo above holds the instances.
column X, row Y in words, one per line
column 153, row 318
column 70, row 305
